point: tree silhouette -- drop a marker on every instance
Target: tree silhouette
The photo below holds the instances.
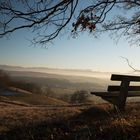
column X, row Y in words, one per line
column 49, row 18
column 5, row 80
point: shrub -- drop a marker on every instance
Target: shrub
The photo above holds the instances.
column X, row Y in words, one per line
column 4, row 79
column 79, row 96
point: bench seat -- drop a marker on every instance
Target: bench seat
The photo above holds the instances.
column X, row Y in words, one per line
column 116, row 94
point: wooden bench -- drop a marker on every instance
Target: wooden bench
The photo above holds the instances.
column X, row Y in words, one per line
column 117, row 94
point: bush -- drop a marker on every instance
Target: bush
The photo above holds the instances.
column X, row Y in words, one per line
column 79, row 96
column 4, row 79
column 48, row 91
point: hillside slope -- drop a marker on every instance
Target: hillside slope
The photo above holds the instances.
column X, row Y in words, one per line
column 23, row 97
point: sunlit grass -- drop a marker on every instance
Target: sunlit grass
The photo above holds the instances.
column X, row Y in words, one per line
column 82, row 123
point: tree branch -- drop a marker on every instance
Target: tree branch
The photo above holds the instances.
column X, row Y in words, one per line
column 48, row 18
column 134, row 69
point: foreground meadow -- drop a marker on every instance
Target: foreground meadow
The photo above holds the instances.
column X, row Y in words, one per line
column 67, row 122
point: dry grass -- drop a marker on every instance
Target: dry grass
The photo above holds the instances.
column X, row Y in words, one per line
column 12, row 116
column 27, row 98
column 98, row 122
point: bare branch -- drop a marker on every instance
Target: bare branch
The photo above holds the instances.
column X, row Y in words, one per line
column 47, row 19
column 135, row 70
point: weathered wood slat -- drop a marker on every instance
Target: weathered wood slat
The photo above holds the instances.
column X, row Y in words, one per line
column 133, row 94
column 116, row 77
column 115, row 94
column 106, row 94
column 117, row 88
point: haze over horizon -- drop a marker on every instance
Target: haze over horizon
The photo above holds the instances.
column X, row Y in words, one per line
column 53, row 68
column 42, row 71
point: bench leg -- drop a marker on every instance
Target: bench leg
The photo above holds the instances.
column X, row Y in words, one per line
column 122, row 101
column 123, row 94
column 121, row 106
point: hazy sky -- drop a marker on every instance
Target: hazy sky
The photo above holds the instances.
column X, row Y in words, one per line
column 84, row 52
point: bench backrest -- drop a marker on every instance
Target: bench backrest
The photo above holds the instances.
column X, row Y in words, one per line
column 116, row 77
column 125, row 81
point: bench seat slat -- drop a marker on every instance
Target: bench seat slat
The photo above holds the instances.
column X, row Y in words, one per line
column 117, row 88
column 116, row 77
column 115, row 94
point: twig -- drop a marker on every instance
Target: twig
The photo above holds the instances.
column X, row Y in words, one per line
column 135, row 70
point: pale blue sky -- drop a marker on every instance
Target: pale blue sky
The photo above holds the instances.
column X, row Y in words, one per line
column 85, row 52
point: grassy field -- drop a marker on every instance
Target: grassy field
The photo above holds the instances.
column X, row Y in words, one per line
column 90, row 122
column 35, row 116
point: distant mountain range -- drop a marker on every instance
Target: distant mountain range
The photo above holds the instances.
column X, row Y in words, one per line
column 73, row 72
